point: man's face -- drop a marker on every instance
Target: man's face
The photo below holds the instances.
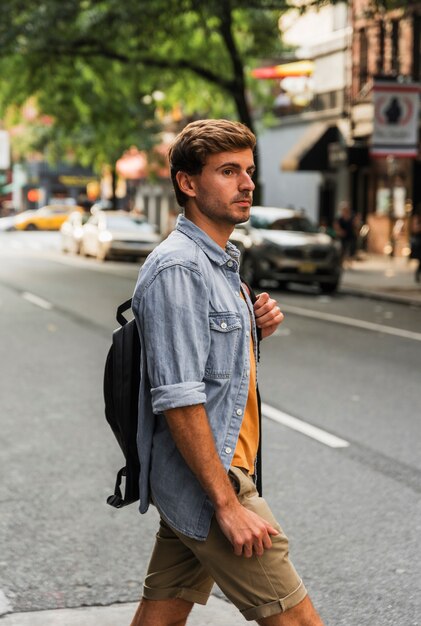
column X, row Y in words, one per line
column 223, row 191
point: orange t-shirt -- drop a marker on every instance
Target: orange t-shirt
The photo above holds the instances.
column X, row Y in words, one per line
column 248, row 439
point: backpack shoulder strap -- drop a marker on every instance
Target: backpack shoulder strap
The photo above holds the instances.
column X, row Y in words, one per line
column 253, row 298
column 125, row 306
column 259, row 403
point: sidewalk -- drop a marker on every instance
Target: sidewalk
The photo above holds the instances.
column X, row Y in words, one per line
column 383, row 278
column 217, row 612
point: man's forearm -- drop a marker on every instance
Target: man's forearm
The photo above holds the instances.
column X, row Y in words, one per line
column 193, row 437
column 248, row 533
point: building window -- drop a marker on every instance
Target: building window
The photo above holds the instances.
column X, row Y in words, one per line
column 416, row 49
column 380, row 57
column 395, row 47
column 363, row 75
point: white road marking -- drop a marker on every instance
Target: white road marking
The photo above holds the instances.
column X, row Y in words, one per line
column 322, row 436
column 31, row 297
column 349, row 321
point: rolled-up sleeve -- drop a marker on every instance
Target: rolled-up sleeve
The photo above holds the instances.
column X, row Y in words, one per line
column 174, row 317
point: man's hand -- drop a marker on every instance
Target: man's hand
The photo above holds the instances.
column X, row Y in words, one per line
column 247, row 532
column 267, row 313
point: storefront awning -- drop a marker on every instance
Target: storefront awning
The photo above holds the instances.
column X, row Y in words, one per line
column 294, row 69
column 310, row 153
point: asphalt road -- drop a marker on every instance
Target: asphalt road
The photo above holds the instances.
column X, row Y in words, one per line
column 352, row 512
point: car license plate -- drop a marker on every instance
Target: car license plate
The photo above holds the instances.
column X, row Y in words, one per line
column 307, row 268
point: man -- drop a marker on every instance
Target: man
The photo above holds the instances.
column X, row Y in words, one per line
column 199, row 433
column 346, row 229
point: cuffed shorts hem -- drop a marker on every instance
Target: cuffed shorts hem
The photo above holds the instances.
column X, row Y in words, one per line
column 191, row 595
column 279, row 606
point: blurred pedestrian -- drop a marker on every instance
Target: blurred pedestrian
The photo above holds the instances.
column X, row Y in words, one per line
column 199, row 433
column 346, row 228
column 416, row 244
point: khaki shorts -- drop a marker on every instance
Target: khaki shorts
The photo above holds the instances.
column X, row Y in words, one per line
column 181, row 567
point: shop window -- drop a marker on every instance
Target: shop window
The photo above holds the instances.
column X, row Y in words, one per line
column 327, row 100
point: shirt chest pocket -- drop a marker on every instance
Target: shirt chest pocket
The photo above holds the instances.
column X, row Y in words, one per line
column 225, row 332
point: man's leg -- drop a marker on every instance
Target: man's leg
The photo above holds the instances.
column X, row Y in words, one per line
column 175, row 580
column 303, row 614
column 265, row 588
column 172, row 612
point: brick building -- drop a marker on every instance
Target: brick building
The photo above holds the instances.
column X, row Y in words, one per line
column 385, row 46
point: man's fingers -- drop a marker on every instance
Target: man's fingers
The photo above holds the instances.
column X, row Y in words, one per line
column 271, row 317
column 260, row 544
column 261, row 299
column 259, row 547
column 248, row 532
column 266, row 540
column 264, row 304
column 248, row 550
column 261, row 304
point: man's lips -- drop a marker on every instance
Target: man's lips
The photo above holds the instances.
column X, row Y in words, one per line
column 243, row 201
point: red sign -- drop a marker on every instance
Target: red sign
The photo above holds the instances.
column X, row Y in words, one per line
column 395, row 130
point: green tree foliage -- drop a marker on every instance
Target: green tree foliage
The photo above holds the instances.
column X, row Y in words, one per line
column 92, row 64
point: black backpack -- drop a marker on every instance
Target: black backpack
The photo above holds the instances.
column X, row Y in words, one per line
column 121, row 394
column 121, row 391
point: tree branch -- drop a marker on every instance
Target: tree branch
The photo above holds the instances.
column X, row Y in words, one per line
column 91, row 48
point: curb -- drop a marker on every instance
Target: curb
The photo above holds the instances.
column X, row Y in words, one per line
column 217, row 612
column 381, row 296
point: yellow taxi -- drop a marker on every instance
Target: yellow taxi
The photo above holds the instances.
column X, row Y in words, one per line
column 49, row 217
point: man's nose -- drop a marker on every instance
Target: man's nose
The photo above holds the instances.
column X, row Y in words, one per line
column 246, row 182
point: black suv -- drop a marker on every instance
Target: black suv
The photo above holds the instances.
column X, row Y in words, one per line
column 285, row 246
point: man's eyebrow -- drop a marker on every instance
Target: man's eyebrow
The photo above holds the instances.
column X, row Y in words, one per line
column 235, row 165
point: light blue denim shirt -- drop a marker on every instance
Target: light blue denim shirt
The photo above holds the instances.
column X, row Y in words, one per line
column 195, row 336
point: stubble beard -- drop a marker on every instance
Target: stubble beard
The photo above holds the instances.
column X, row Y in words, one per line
column 219, row 212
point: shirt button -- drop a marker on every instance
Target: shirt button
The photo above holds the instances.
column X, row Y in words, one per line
column 239, row 412
column 223, row 325
column 230, row 263
column 247, row 333
column 247, row 372
column 228, row 450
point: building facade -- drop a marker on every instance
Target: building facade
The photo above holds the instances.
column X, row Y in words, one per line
column 304, row 153
column 321, row 153
column 386, row 190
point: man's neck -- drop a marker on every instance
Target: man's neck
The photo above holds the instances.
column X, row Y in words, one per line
column 220, row 233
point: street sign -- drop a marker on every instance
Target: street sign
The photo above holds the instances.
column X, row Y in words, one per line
column 396, row 108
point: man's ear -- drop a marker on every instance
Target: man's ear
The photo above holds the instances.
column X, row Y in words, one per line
column 185, row 184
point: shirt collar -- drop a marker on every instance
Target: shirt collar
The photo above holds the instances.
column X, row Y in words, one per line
column 206, row 243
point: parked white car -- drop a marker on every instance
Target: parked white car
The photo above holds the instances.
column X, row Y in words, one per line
column 72, row 230
column 110, row 234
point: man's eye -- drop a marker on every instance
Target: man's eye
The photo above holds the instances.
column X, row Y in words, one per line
column 227, row 172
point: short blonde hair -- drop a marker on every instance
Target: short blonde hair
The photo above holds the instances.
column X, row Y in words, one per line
column 191, row 148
